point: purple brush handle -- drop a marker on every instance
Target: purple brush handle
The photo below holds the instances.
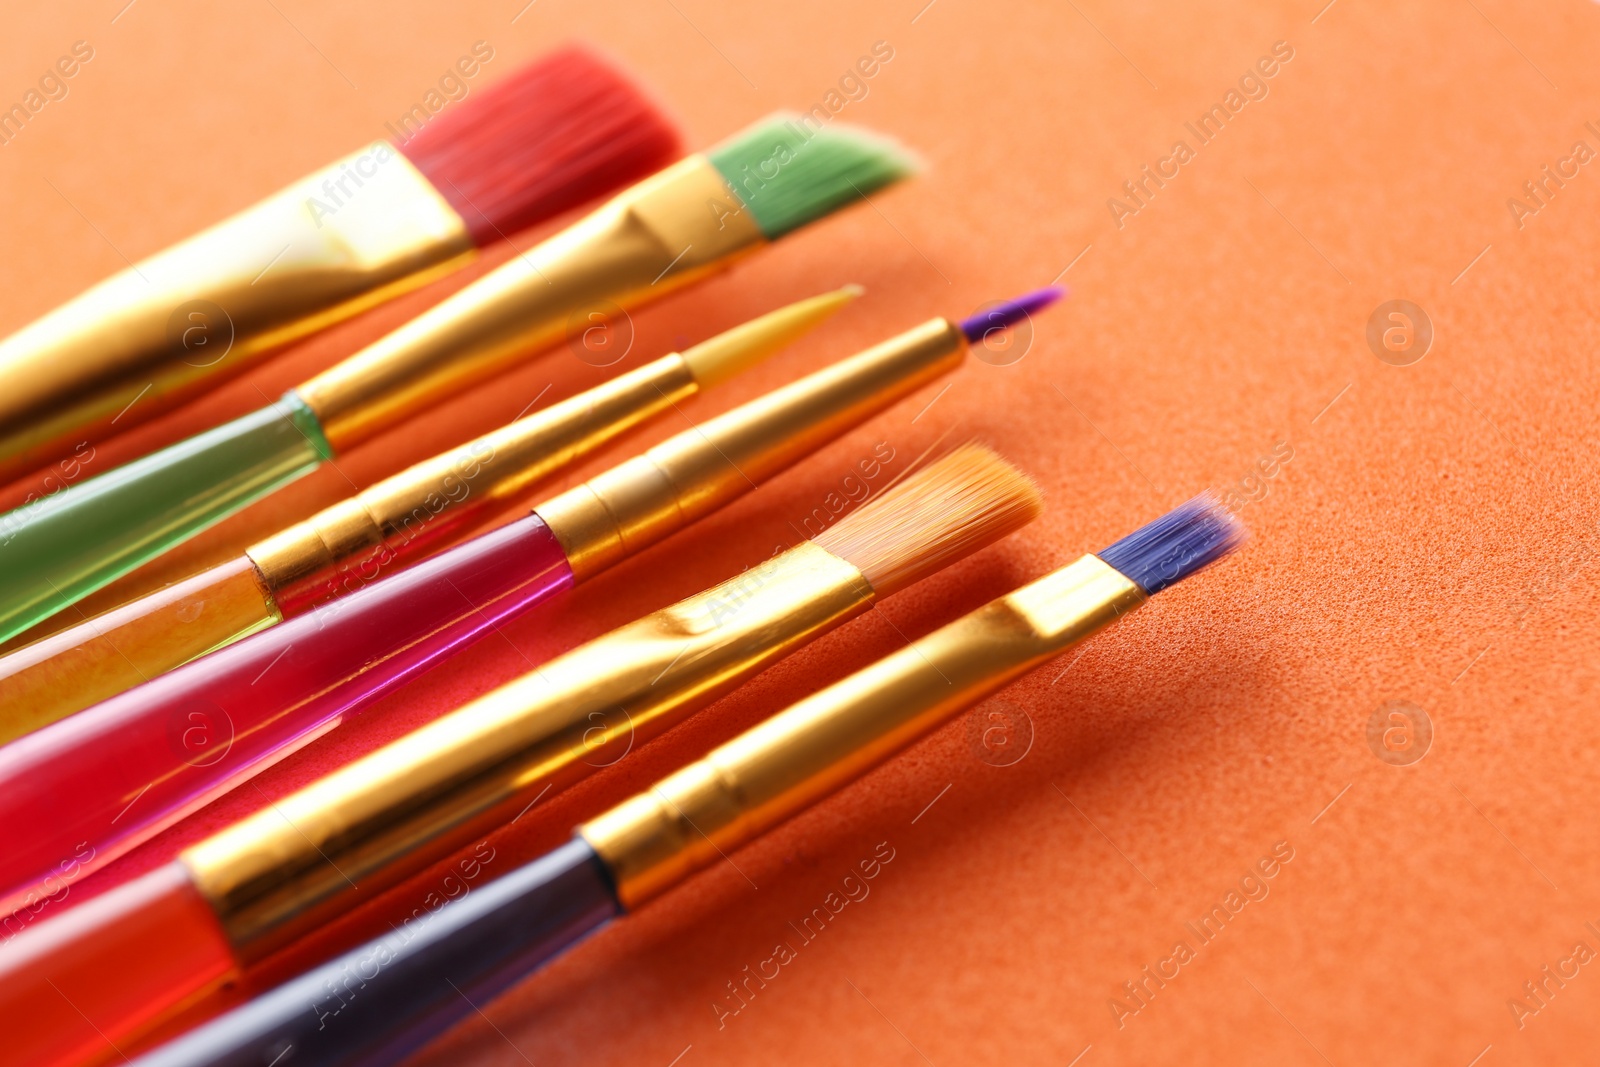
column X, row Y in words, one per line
column 82, row 791
column 381, row 1002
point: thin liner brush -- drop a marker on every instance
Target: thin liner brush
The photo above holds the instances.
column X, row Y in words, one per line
column 384, row 219
column 347, row 545
column 169, row 939
column 411, row 985
column 662, row 234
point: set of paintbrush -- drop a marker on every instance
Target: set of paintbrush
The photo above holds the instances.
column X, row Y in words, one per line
column 130, row 721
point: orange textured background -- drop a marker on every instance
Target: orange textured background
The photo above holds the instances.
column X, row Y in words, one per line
column 1430, row 540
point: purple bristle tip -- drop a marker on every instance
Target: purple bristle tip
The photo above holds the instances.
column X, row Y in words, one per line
column 1010, row 312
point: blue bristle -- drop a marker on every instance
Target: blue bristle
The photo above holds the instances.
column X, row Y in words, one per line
column 1176, row 545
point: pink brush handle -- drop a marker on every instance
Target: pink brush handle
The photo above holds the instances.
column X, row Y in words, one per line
column 82, row 791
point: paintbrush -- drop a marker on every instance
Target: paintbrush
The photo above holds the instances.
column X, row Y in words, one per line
column 112, row 777
column 674, row 228
column 140, row 953
column 382, row 220
column 352, row 542
column 381, row 1001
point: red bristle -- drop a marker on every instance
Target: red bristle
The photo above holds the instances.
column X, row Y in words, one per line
column 554, row 134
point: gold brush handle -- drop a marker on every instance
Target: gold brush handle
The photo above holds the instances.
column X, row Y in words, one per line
column 288, row 869
column 281, row 872
column 421, row 505
column 153, row 334
column 654, row 238
column 693, row 474
column 448, row 491
column 770, row 773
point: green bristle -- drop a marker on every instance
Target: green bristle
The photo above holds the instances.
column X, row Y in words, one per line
column 789, row 173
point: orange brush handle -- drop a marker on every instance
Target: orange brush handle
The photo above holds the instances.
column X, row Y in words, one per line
column 114, row 965
column 103, row 656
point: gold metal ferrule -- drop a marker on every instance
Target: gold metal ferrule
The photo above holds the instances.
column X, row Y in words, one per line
column 401, row 807
column 768, row 774
column 146, row 338
column 420, row 506
column 658, row 236
column 693, row 474
column 288, row 869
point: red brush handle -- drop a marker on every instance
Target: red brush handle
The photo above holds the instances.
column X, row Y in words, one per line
column 80, row 792
column 92, row 979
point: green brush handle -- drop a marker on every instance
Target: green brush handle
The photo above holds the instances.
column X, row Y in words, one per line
column 56, row 551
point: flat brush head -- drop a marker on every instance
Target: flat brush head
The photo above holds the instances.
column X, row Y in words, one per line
column 1181, row 542
column 950, row 509
column 550, row 136
column 789, row 173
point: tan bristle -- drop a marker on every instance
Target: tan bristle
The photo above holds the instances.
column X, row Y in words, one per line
column 955, row 506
